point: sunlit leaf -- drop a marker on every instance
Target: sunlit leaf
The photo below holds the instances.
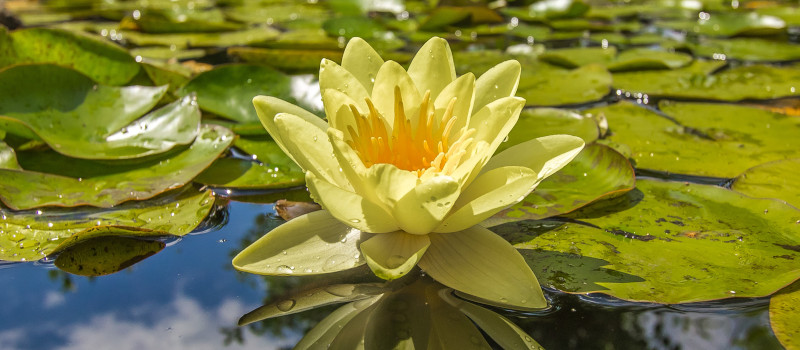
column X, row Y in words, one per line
column 666, row 242
column 730, row 24
column 538, row 122
column 747, row 49
column 242, row 173
column 289, row 59
column 776, row 179
column 221, row 39
column 784, row 315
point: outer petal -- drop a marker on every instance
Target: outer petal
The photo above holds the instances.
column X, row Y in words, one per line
column 476, row 261
column 422, row 209
column 333, row 76
column 352, row 166
column 310, row 148
column 310, row 244
column 489, row 193
column 267, row 107
column 362, row 61
column 432, row 68
column 393, row 75
column 498, row 82
column 545, row 155
column 463, row 89
column 392, row 255
column 349, row 207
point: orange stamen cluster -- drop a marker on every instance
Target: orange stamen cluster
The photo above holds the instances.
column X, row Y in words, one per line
column 426, row 148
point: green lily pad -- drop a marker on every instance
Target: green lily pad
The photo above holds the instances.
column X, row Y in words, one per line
column 265, row 150
column 181, row 20
column 31, row 235
column 633, row 59
column 304, row 38
column 221, row 39
column 81, row 119
column 549, row 9
column 228, row 90
column 667, row 242
column 579, row 56
column 173, row 75
column 542, row 84
column 167, row 53
column 8, row 159
column 352, row 26
column 730, row 24
column 104, row 62
column 52, row 179
column 538, row 122
column 744, row 82
column 790, row 15
column 288, row 59
column 241, row 173
column 747, row 49
column 104, row 250
column 784, row 316
column 597, row 172
column 776, row 179
column 717, row 140
column 443, row 16
column 275, row 12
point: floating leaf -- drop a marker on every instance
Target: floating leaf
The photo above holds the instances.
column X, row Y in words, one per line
column 181, row 19
column 307, row 60
column 747, row 49
column 538, row 122
column 8, row 159
column 352, row 26
column 80, row 119
column 276, row 12
column 265, row 150
column 51, row 179
column 104, row 250
column 730, row 24
column 241, row 173
column 31, row 235
column 667, row 242
column 183, row 40
column 167, row 53
column 776, row 179
column 784, row 316
column 443, row 16
column 708, row 139
column 104, row 62
column 228, row 90
column 597, row 172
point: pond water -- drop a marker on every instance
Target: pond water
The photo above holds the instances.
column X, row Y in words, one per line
column 134, row 168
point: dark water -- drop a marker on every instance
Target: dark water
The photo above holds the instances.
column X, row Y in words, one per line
column 189, row 297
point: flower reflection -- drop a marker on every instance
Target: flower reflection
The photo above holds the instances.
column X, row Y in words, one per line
column 418, row 314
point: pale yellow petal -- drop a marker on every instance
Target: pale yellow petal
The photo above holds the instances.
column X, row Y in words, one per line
column 392, row 255
column 432, row 68
column 491, row 192
column 350, row 208
column 544, row 155
column 478, row 262
column 326, row 330
column 422, row 209
column 498, row 82
column 352, row 166
column 267, row 107
column 310, row 244
column 310, row 148
column 334, row 76
column 463, row 90
column 362, row 61
column 337, row 110
column 389, row 184
column 451, row 329
column 392, row 75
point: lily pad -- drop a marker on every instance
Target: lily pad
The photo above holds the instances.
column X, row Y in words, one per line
column 776, row 179
column 52, row 179
column 104, row 250
column 31, row 235
column 180, row 19
column 443, row 16
column 538, row 122
column 597, row 172
column 730, row 24
column 717, row 140
column 784, row 316
column 104, row 62
column 242, row 173
column 8, row 159
column 275, row 12
column 183, row 40
column 744, row 82
column 667, row 242
column 542, row 84
column 167, row 53
column 228, row 90
column 549, row 9
column 747, row 49
column 289, row 59
column 81, row 119
column 265, row 150
column 633, row 59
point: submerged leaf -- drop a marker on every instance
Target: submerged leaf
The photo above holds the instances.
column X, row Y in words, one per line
column 104, row 250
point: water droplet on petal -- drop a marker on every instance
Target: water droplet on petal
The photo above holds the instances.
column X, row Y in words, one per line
column 286, row 305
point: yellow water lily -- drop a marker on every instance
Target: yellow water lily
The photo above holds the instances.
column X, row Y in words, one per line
column 404, row 171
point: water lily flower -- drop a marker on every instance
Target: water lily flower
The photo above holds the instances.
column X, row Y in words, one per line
column 404, row 171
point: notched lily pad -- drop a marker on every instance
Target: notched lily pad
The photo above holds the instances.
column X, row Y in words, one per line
column 31, row 235
column 778, row 179
column 104, row 250
column 784, row 316
column 104, row 62
column 51, row 179
column 667, row 242
column 597, row 172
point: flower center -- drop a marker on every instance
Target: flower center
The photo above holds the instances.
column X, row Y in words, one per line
column 426, row 148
